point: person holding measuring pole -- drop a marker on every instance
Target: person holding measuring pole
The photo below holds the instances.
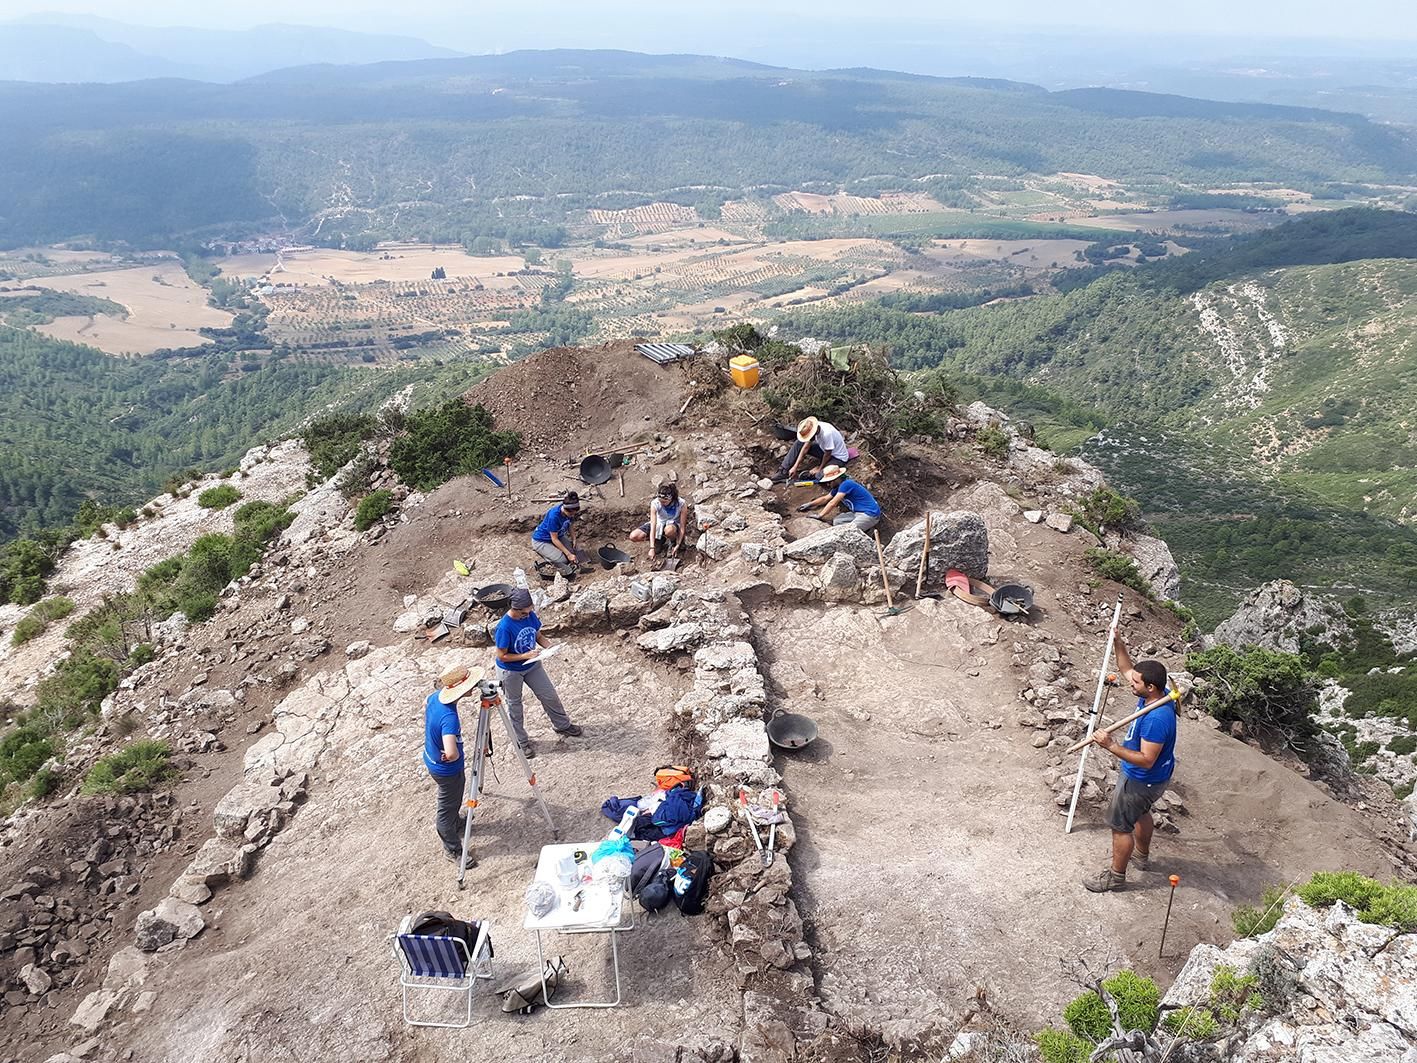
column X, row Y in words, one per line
column 1148, row 757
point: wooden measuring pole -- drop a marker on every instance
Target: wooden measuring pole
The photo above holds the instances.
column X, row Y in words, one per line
column 924, row 557
column 1125, row 720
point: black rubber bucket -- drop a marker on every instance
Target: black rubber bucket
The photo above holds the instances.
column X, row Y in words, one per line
column 610, row 556
column 784, row 431
column 790, row 730
column 595, row 470
column 1012, row 599
column 493, row 596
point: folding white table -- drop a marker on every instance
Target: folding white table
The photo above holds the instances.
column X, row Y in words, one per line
column 602, row 911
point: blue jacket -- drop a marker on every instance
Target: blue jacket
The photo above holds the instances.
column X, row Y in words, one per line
column 680, row 807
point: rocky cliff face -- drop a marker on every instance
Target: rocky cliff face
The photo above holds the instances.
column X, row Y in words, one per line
column 1334, row 989
column 1277, row 615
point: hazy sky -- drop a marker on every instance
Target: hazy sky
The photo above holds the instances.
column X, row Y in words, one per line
column 485, row 25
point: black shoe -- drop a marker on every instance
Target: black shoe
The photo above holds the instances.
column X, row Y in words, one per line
column 573, row 731
column 527, row 751
column 778, row 478
column 454, row 857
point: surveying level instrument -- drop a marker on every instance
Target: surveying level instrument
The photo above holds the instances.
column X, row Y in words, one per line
column 490, row 693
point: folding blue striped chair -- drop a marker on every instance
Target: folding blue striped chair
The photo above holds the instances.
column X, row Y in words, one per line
column 442, row 965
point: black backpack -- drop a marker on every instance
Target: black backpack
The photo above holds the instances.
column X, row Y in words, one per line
column 649, row 879
column 443, row 925
column 690, row 883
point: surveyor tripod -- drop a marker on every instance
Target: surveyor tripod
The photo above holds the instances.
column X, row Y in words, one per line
column 490, row 693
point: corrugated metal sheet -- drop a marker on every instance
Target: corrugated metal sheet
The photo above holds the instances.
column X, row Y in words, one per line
column 664, row 353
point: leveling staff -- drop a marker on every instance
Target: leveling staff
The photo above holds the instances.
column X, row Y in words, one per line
column 1148, row 756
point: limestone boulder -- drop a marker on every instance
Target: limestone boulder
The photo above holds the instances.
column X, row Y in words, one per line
column 959, row 539
column 1277, row 615
column 172, row 920
column 823, row 545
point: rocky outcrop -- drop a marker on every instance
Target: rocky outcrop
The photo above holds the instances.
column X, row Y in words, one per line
column 1156, row 565
column 1277, row 615
column 1334, row 989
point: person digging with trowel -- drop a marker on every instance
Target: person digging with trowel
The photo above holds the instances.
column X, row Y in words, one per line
column 1148, row 757
column 817, row 442
column 554, row 538
column 858, row 507
column 520, row 645
column 668, row 518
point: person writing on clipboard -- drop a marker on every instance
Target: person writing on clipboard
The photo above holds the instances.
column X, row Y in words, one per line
column 520, row 649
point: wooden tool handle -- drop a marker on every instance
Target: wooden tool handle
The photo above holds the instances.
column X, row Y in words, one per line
column 1124, row 720
column 885, row 582
column 924, row 557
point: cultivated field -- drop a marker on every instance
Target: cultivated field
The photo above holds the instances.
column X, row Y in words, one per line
column 165, row 309
column 390, row 262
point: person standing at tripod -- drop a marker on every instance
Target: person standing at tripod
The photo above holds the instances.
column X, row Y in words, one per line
column 519, row 644
column 443, row 754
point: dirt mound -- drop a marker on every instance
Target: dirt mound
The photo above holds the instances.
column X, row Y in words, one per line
column 571, row 396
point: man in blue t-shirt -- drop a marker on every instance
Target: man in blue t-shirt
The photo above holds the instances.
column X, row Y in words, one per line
column 1148, row 757
column 519, row 643
column 858, row 506
column 554, row 538
column 443, row 754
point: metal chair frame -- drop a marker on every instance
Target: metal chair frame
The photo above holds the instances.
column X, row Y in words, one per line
column 418, row 976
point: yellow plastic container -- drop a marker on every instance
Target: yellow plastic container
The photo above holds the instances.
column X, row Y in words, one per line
column 744, row 370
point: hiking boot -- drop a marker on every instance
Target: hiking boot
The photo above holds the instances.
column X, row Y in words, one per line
column 1140, row 860
column 526, row 749
column 1104, row 881
column 778, row 477
column 574, row 731
column 454, row 857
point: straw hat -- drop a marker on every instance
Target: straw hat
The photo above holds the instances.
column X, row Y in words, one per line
column 456, row 682
column 807, row 429
column 830, row 473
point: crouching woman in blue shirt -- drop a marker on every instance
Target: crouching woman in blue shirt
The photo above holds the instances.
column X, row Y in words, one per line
column 858, row 507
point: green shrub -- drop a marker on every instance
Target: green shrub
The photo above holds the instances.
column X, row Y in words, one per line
column 1063, row 1046
column 1263, row 689
column 453, row 439
column 1232, row 993
column 1393, row 905
column 1137, row 1003
column 218, row 497
column 76, row 689
column 142, row 653
column 24, row 565
column 1119, row 568
column 40, row 617
column 45, row 782
column 1105, row 509
column 1251, row 922
column 22, row 752
column 993, row 441
column 1403, row 744
column 138, row 766
column 1195, row 1024
column 334, row 440
column 371, row 508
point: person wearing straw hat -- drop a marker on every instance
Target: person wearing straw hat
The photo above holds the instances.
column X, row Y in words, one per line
column 443, row 753
column 520, row 644
column 554, row 538
column 1148, row 757
column 818, row 441
column 858, row 507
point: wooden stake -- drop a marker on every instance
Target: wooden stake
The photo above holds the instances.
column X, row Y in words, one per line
column 881, row 557
column 622, row 485
column 1124, row 720
column 686, row 405
column 924, row 557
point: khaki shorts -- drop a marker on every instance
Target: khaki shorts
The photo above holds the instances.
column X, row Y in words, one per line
column 1130, row 801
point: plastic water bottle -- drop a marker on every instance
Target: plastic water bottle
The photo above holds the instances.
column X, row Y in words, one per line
column 519, row 577
column 626, row 822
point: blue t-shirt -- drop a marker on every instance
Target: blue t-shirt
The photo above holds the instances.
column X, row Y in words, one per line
column 440, row 720
column 1159, row 725
column 857, row 499
column 517, row 636
column 554, row 521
